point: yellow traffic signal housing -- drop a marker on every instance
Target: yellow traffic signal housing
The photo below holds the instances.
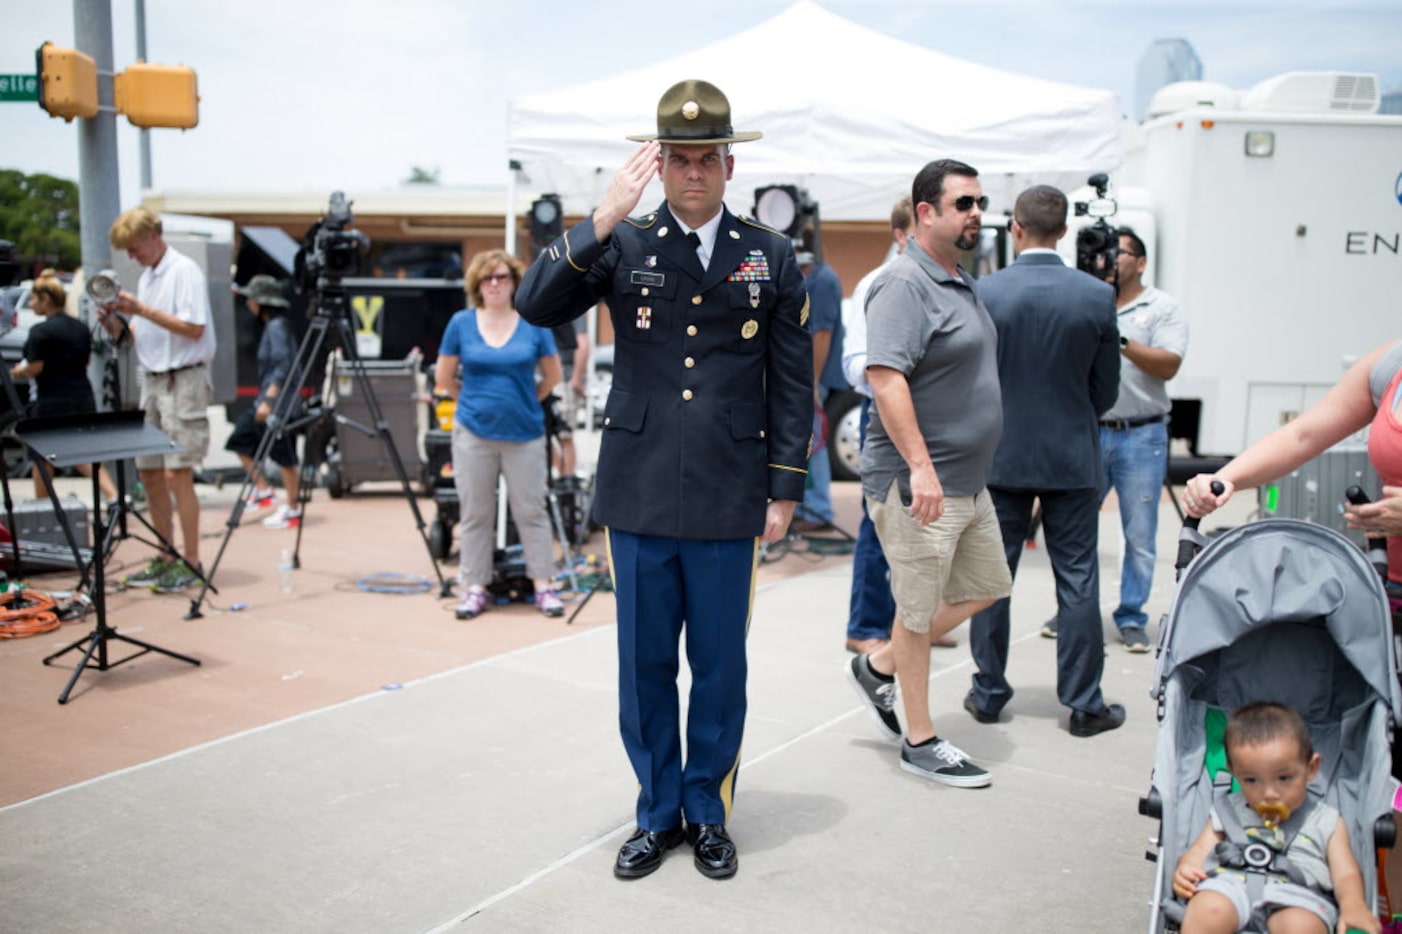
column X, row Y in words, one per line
column 67, row 82
column 157, row 95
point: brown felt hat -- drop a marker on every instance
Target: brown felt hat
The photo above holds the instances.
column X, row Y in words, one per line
column 695, row 113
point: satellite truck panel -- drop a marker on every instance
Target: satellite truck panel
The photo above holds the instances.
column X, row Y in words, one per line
column 1274, row 216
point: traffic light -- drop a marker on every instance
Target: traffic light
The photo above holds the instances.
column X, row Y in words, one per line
column 67, row 82
column 157, row 95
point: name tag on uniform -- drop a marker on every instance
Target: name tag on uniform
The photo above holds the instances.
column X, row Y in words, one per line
column 639, row 277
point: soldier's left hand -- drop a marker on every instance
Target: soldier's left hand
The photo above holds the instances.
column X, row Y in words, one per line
column 776, row 520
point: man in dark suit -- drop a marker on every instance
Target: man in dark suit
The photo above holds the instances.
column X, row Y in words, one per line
column 1059, row 368
column 705, row 442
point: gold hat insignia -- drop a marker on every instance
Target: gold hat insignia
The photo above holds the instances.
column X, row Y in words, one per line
column 691, row 110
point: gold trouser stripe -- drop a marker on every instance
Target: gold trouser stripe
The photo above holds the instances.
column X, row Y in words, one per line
column 727, row 785
column 608, row 552
column 794, row 469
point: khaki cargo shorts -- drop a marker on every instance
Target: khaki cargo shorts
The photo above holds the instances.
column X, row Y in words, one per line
column 177, row 403
column 957, row 558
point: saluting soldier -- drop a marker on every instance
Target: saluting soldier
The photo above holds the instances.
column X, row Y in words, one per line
column 704, row 452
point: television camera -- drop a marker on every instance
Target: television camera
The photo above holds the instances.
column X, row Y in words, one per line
column 1098, row 245
column 332, row 249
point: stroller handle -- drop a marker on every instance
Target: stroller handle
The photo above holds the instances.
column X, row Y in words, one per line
column 1190, row 541
column 1376, row 544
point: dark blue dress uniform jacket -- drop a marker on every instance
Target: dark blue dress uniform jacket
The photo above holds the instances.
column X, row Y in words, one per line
column 711, row 409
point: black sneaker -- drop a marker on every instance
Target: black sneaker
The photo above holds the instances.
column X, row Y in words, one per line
column 1135, row 639
column 879, row 695
column 944, row 762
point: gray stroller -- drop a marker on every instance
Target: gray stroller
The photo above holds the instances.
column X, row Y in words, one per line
column 1284, row 611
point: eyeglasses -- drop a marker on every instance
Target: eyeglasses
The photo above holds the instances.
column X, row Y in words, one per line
column 967, row 202
column 498, row 277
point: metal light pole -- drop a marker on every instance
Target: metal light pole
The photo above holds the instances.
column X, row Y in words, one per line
column 145, row 133
column 99, row 194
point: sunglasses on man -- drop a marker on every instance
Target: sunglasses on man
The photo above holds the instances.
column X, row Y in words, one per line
column 967, row 202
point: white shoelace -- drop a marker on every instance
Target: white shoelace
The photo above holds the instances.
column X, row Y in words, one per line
column 886, row 696
column 950, row 753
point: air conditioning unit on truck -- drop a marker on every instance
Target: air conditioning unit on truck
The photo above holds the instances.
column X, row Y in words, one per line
column 1274, row 216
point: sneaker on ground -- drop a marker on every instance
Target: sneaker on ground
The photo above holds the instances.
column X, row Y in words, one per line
column 1136, row 640
column 1049, row 628
column 179, row 577
column 548, row 602
column 261, row 498
column 943, row 762
column 473, row 603
column 155, row 569
column 879, row 696
column 284, row 518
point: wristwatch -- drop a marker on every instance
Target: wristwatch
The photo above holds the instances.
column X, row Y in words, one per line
column 1124, row 342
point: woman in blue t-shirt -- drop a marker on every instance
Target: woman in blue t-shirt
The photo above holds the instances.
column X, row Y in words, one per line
column 499, row 429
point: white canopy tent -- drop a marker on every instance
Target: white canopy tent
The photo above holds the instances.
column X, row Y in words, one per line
column 849, row 113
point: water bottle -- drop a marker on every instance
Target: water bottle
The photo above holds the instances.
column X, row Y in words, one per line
column 284, row 570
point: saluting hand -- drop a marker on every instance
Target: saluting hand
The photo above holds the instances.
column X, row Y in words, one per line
column 627, row 188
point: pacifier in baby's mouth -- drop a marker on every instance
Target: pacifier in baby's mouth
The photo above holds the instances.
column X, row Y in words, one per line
column 1273, row 813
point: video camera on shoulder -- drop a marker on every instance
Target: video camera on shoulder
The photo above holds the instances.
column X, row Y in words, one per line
column 1098, row 245
column 331, row 249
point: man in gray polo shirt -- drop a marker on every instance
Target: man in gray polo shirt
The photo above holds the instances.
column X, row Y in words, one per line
column 937, row 418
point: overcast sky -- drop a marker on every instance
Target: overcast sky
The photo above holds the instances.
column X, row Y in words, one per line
column 311, row 95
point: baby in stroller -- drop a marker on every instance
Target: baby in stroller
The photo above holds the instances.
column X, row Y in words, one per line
column 1269, row 849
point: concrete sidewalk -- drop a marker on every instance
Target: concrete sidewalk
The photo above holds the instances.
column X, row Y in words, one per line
column 494, row 796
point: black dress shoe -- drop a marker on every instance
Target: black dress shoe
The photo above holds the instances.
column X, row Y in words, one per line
column 982, row 716
column 1089, row 724
column 644, row 851
column 715, row 851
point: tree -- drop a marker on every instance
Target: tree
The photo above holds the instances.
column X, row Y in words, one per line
column 39, row 213
column 418, row 175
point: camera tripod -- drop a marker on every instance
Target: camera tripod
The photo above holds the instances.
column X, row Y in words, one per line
column 330, row 320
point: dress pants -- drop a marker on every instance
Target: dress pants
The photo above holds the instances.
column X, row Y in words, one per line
column 665, row 586
column 1070, row 526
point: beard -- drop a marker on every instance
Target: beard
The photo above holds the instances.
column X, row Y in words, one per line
column 968, row 239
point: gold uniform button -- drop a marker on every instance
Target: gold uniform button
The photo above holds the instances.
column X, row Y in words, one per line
column 608, row 421
column 695, row 299
column 690, row 362
column 761, row 432
column 645, row 291
column 686, row 394
column 691, row 331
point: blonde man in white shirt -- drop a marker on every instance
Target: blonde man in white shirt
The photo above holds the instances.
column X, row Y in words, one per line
column 170, row 323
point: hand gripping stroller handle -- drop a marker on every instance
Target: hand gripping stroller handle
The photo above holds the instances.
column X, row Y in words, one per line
column 1190, row 540
column 1376, row 544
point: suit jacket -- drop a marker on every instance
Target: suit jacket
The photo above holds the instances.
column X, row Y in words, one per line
column 1059, row 366
column 710, row 414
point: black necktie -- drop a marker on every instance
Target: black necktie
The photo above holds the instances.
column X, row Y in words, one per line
column 694, row 239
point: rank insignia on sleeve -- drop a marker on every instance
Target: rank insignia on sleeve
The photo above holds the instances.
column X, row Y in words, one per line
column 749, row 329
column 644, row 320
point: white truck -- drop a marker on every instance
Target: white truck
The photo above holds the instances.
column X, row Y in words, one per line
column 1274, row 216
